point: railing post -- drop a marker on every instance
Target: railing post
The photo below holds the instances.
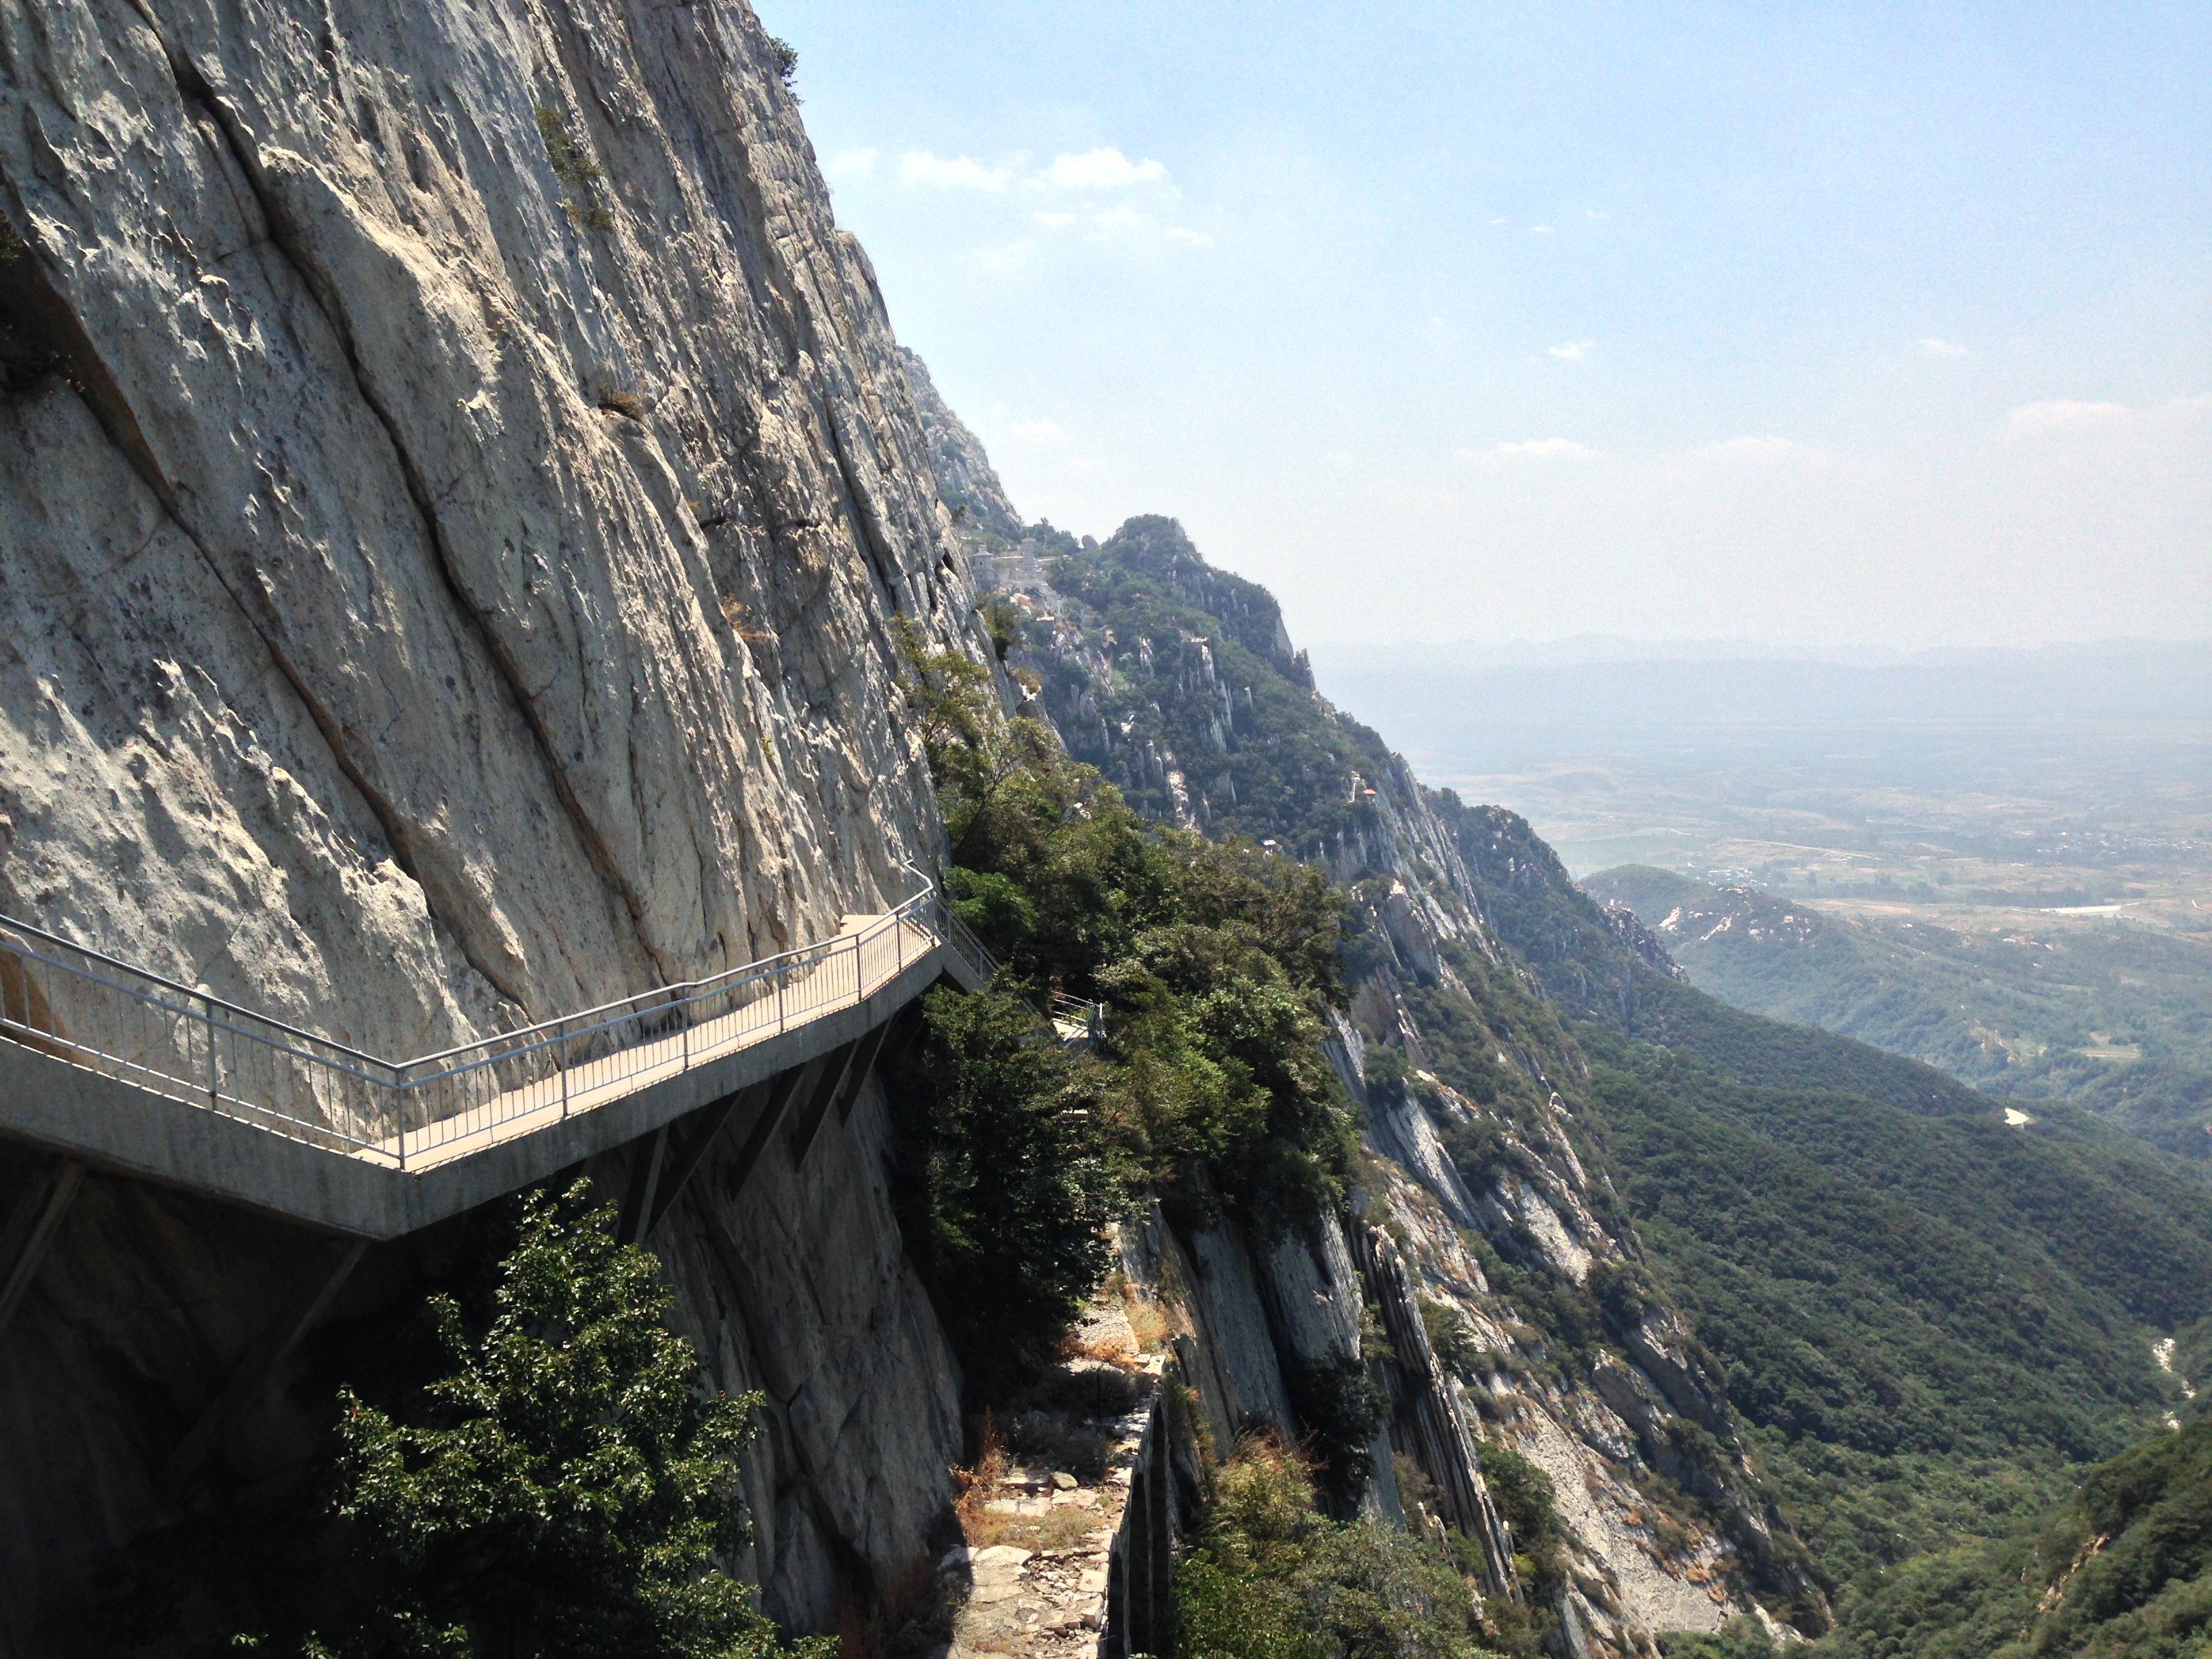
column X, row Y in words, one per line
column 781, row 975
column 683, row 1012
column 214, row 1066
column 563, row 1064
column 400, row 1113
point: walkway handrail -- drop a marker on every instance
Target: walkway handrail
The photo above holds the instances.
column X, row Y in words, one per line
column 183, row 1041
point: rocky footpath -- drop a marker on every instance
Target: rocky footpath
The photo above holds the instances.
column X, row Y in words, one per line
column 1045, row 1539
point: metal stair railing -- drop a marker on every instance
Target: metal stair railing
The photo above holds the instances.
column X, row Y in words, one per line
column 183, row 1041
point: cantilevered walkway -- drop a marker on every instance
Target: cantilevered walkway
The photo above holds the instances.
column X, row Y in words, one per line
column 114, row 1066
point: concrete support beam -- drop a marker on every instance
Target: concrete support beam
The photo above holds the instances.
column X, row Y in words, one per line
column 31, row 1230
column 644, row 1181
column 762, row 1129
column 706, row 1126
column 828, row 1082
column 863, row 1063
column 256, row 1367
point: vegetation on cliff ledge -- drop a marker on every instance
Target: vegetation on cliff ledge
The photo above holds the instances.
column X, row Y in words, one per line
column 1208, row 1088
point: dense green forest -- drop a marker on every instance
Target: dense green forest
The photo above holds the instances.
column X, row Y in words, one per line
column 2112, row 1015
column 1929, row 1324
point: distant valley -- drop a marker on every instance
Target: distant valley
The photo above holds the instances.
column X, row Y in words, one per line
column 1998, row 862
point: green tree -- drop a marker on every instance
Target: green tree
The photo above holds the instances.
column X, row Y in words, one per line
column 1273, row 1578
column 562, row 1493
column 1015, row 1189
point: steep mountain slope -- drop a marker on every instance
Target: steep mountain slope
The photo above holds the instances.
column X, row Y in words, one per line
column 2111, row 1017
column 1855, row 1322
column 2121, row 1570
column 1481, row 1171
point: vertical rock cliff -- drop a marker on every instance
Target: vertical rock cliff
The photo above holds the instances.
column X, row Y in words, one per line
column 458, row 491
column 460, row 483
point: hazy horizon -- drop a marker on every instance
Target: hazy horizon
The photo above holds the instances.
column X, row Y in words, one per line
column 1823, row 324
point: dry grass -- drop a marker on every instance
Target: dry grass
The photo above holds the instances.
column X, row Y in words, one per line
column 1109, row 1347
column 973, row 1486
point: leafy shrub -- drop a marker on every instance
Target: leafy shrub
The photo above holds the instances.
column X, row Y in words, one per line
column 560, row 1491
column 1012, row 1192
column 1522, row 1493
column 574, row 166
column 1452, row 1338
column 1341, row 1408
column 1217, row 959
column 1271, row 1577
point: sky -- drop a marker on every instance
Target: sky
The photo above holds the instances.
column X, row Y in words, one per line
column 1808, row 324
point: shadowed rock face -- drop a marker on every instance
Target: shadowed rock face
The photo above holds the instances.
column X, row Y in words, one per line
column 453, row 510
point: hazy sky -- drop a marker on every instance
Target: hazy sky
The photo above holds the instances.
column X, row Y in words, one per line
column 1800, row 322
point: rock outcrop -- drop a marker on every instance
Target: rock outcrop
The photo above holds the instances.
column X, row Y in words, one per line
column 454, row 512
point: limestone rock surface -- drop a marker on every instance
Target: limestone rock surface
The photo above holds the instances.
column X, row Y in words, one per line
column 459, row 486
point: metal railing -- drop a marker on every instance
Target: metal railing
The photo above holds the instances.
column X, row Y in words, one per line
column 190, row 1045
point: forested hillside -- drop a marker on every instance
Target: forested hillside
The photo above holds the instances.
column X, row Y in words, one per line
column 2112, row 1015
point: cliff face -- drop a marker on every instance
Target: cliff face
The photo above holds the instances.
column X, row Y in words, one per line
column 459, row 484
column 457, row 488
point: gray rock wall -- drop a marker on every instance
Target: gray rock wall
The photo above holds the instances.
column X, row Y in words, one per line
column 149, row 1302
column 459, row 486
column 459, row 494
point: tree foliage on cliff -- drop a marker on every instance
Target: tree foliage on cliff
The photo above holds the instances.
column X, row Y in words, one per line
column 1271, row 1577
column 561, row 1493
column 1217, row 961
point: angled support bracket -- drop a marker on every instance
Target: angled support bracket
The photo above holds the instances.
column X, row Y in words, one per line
column 836, row 1068
column 863, row 1062
column 782, row 1091
column 644, row 1183
column 256, row 1368
column 682, row 1162
column 31, row 1231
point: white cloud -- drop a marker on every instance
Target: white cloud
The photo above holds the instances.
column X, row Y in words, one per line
column 1572, row 352
column 2064, row 415
column 1041, row 435
column 919, row 167
column 1194, row 238
column 1103, row 169
column 1935, row 348
column 1497, row 222
column 1534, row 449
column 1123, row 218
column 853, row 163
column 2057, row 415
column 1763, row 451
column 1592, row 213
column 1539, row 230
column 1054, row 221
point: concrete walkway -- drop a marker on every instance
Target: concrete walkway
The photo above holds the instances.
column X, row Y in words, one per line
column 61, row 1095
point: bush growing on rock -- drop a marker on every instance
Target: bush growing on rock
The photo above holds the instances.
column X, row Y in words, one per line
column 561, row 1493
column 1209, row 1090
column 1270, row 1577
